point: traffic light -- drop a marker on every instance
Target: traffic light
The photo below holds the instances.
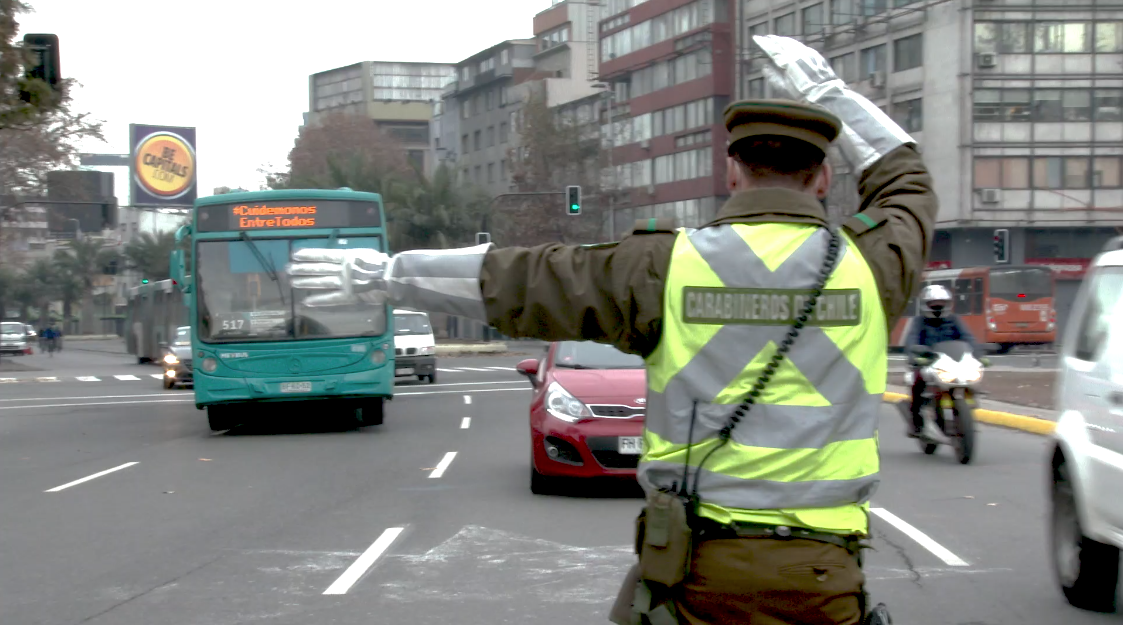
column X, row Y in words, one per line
column 483, row 238
column 44, row 64
column 573, row 195
column 1001, row 245
column 144, row 281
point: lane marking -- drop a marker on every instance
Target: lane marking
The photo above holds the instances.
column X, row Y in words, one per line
column 364, row 562
column 88, row 378
column 46, row 379
column 156, row 376
column 8, row 380
column 448, row 370
column 442, row 465
column 502, row 368
column 465, row 422
column 468, row 399
column 474, row 369
column 920, row 537
column 188, row 399
column 90, row 477
column 166, row 394
column 126, row 377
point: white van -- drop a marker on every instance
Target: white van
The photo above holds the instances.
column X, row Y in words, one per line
column 415, row 350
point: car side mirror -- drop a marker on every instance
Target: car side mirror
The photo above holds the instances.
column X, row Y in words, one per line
column 529, row 368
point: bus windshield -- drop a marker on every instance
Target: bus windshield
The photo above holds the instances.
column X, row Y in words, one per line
column 244, row 294
column 1021, row 283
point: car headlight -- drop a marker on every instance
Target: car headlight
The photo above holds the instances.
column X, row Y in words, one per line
column 562, row 405
column 171, row 359
column 428, row 350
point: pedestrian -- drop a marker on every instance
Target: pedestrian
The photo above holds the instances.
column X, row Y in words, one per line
column 764, row 332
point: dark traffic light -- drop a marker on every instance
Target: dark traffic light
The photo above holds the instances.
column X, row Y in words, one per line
column 573, row 197
column 44, row 63
column 1001, row 245
column 483, row 238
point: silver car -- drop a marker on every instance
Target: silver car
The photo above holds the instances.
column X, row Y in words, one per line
column 1087, row 453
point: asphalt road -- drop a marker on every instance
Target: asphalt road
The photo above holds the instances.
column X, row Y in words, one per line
column 278, row 524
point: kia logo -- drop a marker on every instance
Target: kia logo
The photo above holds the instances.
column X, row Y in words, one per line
column 641, row 401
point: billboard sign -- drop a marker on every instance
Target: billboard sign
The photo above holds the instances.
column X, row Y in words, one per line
column 162, row 165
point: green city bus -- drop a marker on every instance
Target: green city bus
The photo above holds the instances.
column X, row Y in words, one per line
column 253, row 342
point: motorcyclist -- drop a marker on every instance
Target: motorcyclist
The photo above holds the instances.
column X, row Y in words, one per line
column 935, row 324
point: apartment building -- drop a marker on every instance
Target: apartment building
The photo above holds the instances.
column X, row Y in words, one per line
column 670, row 67
column 1016, row 105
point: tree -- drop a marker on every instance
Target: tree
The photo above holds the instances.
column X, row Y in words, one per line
column 85, row 259
column 433, row 214
column 557, row 149
column 149, row 254
column 39, row 287
column 15, row 112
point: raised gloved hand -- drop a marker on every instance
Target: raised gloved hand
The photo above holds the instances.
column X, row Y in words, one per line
column 800, row 73
column 441, row 281
column 346, row 276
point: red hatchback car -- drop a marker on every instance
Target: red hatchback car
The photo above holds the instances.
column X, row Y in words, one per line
column 586, row 414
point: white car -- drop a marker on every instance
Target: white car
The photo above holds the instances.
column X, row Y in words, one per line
column 1087, row 453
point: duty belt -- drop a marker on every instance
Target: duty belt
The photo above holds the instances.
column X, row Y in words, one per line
column 712, row 530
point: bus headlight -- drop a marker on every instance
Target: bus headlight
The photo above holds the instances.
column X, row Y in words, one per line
column 378, row 357
column 209, row 365
column 171, row 359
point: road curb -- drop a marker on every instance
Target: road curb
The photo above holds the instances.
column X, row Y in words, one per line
column 450, row 349
column 1033, row 425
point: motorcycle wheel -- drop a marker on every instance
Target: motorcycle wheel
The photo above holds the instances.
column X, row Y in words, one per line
column 964, row 430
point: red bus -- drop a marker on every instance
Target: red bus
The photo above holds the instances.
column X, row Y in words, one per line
column 1008, row 305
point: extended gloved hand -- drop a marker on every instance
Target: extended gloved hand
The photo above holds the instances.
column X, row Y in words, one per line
column 803, row 74
column 346, row 276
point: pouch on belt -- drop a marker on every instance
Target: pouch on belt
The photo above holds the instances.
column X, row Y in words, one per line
column 664, row 556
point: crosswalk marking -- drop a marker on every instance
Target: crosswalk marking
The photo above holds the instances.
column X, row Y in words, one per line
column 88, row 378
column 46, row 379
column 126, row 377
column 140, row 376
column 157, row 376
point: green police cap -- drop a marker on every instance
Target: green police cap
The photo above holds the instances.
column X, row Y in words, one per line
column 788, row 118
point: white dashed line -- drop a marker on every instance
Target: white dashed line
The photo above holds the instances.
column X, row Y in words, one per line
column 465, row 422
column 442, row 465
column 364, row 562
column 88, row 378
column 467, row 399
column 156, row 376
column 46, row 379
column 126, row 377
column 474, row 369
column 90, row 477
column 920, row 537
column 502, row 368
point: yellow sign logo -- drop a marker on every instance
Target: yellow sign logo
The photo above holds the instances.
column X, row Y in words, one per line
column 164, row 164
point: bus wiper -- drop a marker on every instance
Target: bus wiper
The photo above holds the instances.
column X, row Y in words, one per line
column 266, row 264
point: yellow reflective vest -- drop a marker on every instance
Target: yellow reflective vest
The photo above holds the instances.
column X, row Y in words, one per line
column 806, row 454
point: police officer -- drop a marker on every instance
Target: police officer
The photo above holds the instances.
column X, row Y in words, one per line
column 764, row 333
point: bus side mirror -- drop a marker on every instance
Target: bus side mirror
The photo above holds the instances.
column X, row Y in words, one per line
column 182, row 233
column 179, row 270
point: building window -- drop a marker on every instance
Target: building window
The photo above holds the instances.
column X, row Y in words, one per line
column 478, row 177
column 873, row 7
column 502, row 96
column 465, row 73
column 1062, row 172
column 843, row 11
column 504, row 57
column 909, row 114
column 872, row 61
column 846, row 67
column 1109, row 37
column 476, row 143
column 503, row 170
column 503, row 132
column 490, row 97
column 490, row 136
column 491, row 173
column 908, row 52
column 785, row 25
column 813, row 19
column 465, row 113
column 1002, row 173
column 756, row 88
column 1048, row 105
column 464, row 143
column 1010, row 37
column 1108, row 105
column 1106, row 172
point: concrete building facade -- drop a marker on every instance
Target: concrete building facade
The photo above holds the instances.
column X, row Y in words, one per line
column 1016, row 105
column 669, row 65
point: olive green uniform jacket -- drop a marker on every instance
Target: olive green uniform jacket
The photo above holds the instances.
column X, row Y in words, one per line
column 613, row 293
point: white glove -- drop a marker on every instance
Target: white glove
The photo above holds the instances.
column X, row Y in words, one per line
column 348, row 276
column 803, row 74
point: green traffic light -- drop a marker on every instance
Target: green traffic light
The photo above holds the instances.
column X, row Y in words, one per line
column 144, row 281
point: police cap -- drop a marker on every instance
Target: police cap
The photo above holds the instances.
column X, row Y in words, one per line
column 788, row 118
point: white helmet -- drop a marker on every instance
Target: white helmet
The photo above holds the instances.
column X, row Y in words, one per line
column 934, row 300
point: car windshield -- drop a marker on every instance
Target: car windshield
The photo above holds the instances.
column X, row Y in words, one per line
column 589, row 355
column 12, row 328
column 183, row 336
column 411, row 324
column 245, row 295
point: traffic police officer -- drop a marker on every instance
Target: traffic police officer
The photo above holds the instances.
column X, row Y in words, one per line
column 764, row 333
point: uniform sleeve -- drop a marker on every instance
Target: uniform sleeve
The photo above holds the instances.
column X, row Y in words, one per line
column 893, row 228
column 610, row 293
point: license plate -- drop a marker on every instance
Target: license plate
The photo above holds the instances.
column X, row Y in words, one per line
column 296, row 387
column 630, row 445
column 406, row 371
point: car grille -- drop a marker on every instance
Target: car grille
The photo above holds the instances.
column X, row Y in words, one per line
column 408, row 352
column 616, row 411
column 604, row 452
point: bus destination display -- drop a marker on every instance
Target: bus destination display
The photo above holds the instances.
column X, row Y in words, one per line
column 265, row 216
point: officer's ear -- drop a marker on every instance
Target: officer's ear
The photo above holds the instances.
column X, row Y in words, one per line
column 822, row 181
column 733, row 175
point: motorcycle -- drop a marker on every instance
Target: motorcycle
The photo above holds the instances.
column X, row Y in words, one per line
column 951, row 371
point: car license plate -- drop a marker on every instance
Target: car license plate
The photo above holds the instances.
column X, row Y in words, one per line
column 296, row 387
column 630, row 445
column 405, row 371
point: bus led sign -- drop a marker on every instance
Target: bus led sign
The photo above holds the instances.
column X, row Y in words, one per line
column 259, row 216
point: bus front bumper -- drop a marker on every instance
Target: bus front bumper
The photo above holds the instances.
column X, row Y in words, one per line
column 210, row 389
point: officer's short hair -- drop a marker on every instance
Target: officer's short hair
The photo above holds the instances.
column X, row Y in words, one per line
column 765, row 157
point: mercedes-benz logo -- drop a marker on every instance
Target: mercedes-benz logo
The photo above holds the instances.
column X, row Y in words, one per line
column 294, row 365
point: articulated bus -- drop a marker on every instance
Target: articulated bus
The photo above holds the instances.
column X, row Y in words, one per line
column 1007, row 305
column 253, row 342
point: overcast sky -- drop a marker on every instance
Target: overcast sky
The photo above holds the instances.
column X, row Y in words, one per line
column 237, row 70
